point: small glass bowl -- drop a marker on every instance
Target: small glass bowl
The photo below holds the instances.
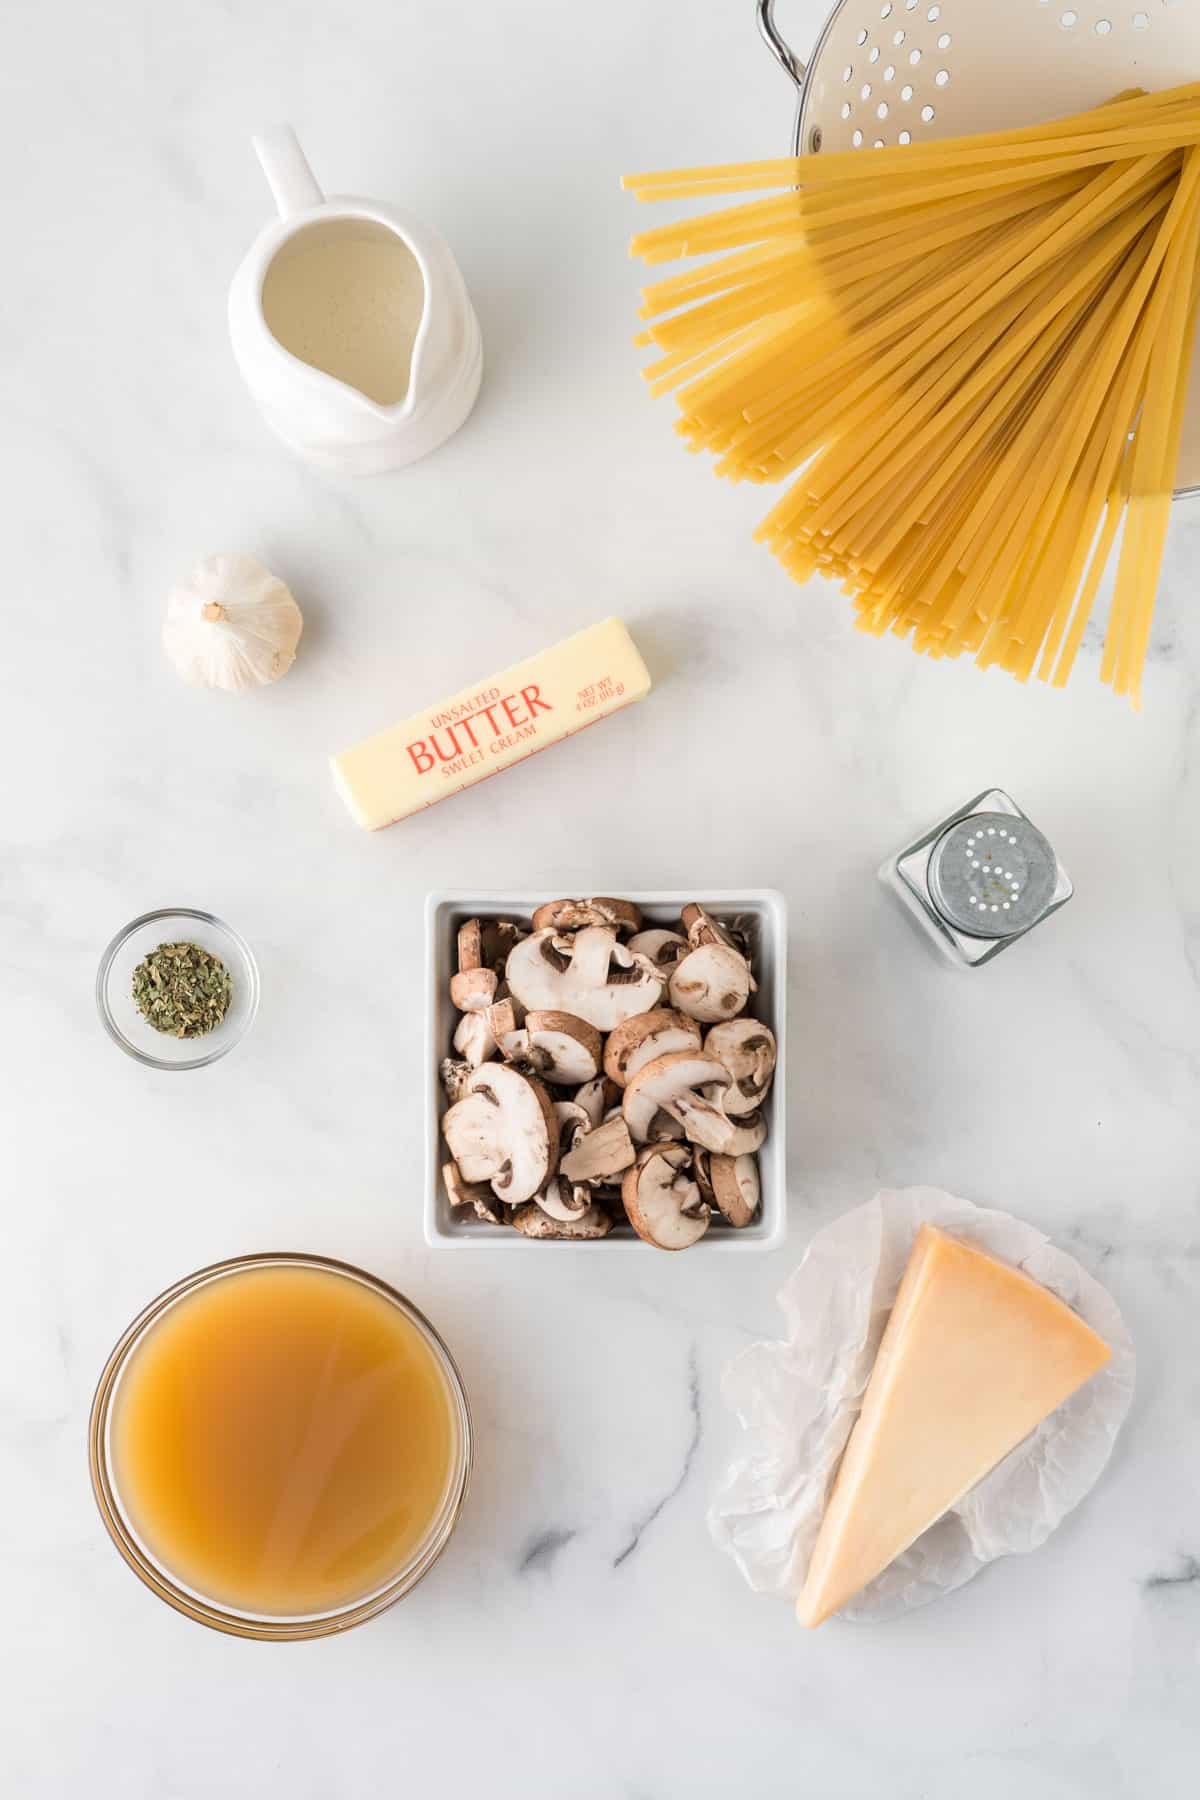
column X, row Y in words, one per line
column 114, row 988
column 265, row 1626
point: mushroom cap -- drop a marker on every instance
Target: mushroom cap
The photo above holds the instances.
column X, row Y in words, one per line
column 662, row 948
column 662, row 1083
column 473, row 1038
column 639, row 1040
column 711, row 983
column 662, row 1202
column 733, row 1183
column 473, row 990
column 573, row 915
column 532, row 1222
column 589, row 975
column 556, row 1047
column 748, row 1050
column 504, row 1130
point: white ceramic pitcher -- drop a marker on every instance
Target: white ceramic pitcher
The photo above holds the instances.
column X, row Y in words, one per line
column 321, row 417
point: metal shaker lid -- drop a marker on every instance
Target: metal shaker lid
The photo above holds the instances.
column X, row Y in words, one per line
column 992, row 875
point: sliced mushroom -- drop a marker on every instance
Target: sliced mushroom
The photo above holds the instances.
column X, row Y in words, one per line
column 573, row 1121
column 665, row 1093
column 470, row 945
column 597, row 1098
column 662, row 948
column 476, row 1194
column 638, row 1041
column 560, row 1197
column 532, row 1222
column 504, row 1130
column 748, row 1051
column 663, row 1128
column 663, row 1203
column 574, row 915
column 501, row 937
column 473, row 1038
column 711, row 983
column 473, row 990
column 702, row 928
column 659, row 1086
column 504, row 1018
column 610, row 1198
column 589, row 975
column 705, row 1123
column 454, row 1072
column 563, row 1200
column 555, row 1046
column 598, row 1155
column 689, row 1089
column 486, row 943
column 730, row 1183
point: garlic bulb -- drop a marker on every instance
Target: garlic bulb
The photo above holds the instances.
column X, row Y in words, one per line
column 231, row 624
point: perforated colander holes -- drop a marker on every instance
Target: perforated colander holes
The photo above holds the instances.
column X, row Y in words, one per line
column 1070, row 20
column 903, row 49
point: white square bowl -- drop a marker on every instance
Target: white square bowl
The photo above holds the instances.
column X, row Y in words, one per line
column 764, row 915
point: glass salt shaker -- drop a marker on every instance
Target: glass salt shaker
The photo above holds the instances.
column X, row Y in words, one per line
column 979, row 880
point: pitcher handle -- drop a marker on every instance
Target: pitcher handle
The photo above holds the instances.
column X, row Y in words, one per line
column 293, row 184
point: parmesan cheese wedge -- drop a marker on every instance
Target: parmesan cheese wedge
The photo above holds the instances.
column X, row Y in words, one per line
column 974, row 1356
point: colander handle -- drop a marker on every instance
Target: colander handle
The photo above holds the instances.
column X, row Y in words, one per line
column 778, row 45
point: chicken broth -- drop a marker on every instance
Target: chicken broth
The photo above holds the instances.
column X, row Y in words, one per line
column 283, row 1439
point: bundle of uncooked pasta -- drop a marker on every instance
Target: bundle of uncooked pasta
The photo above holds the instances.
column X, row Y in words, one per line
column 971, row 358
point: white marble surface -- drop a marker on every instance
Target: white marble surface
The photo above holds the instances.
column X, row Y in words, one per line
column 582, row 1637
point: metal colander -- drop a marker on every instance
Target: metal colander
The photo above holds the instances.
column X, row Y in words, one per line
column 899, row 71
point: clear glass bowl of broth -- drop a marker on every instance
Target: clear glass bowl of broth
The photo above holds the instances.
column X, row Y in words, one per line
column 280, row 1446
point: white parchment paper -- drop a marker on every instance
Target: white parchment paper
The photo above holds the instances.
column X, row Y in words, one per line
column 798, row 1401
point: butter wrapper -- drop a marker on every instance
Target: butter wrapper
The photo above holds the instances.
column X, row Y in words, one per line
column 495, row 723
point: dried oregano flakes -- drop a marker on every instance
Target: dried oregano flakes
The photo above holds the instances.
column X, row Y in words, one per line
column 182, row 990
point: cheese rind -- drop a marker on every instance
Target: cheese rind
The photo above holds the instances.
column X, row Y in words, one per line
column 974, row 1356
column 491, row 725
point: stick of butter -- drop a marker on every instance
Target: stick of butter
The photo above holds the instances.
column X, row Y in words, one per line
column 491, row 725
